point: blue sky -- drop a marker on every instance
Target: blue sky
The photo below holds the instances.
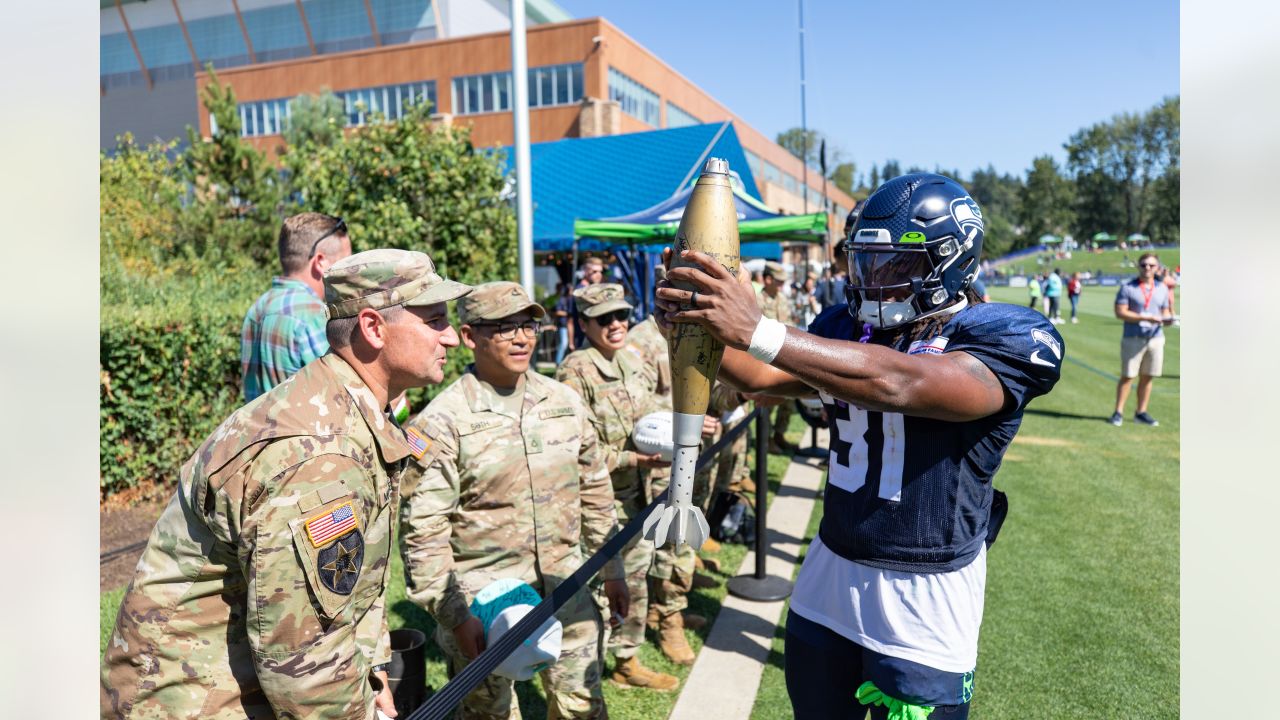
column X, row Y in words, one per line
column 932, row 83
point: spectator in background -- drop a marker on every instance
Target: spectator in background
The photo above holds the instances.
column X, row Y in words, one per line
column 1053, row 294
column 1044, row 299
column 774, row 305
column 806, row 303
column 590, row 272
column 1170, row 280
column 1143, row 305
column 1034, row 288
column 1074, row 287
column 285, row 328
column 562, row 313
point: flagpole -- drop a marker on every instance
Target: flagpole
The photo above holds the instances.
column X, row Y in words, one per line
column 520, row 120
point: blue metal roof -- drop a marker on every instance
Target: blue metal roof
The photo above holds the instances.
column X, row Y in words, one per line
column 620, row 174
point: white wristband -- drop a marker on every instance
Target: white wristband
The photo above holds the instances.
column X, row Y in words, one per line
column 767, row 340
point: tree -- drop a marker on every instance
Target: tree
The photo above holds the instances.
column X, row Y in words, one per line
column 794, row 141
column 890, row 170
column 416, row 185
column 317, row 119
column 238, row 195
column 842, row 176
column 997, row 195
column 1047, row 201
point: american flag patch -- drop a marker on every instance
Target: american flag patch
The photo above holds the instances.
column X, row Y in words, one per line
column 417, row 444
column 323, row 528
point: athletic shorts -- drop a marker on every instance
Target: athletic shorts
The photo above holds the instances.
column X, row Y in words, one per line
column 1141, row 356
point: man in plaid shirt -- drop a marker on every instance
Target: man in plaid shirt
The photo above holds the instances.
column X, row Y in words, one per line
column 285, row 328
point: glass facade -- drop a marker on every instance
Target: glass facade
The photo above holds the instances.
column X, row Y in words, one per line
column 271, row 117
column 548, row 86
column 275, row 31
column 636, row 100
column 677, row 117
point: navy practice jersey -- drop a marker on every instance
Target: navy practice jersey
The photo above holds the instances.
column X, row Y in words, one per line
column 914, row 494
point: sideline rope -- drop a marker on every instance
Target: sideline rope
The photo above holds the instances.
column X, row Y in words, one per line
column 441, row 704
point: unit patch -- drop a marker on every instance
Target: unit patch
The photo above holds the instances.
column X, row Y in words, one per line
column 323, row 528
column 339, row 564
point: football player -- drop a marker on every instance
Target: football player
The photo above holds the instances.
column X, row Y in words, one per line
column 924, row 386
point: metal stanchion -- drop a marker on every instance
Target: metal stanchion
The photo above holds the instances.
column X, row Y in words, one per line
column 761, row 587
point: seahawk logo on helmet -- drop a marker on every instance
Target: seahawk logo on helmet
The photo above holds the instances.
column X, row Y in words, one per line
column 913, row 250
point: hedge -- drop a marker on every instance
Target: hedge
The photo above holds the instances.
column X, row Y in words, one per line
column 170, row 372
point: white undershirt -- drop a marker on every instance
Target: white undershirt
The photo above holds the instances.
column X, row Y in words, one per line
column 927, row 618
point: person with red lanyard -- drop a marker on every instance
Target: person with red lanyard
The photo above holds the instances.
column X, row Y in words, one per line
column 1143, row 305
column 1074, row 286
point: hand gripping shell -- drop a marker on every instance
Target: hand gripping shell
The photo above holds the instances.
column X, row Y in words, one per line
column 709, row 225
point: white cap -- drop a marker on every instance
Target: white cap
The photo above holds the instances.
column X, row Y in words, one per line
column 538, row 652
column 499, row 606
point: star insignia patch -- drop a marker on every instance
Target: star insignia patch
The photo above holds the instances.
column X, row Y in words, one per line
column 339, row 563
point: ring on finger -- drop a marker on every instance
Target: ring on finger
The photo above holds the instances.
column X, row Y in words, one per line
column 693, row 299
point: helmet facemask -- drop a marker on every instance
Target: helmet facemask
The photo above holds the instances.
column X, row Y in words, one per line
column 895, row 283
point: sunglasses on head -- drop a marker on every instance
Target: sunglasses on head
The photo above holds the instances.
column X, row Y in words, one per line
column 341, row 227
column 615, row 316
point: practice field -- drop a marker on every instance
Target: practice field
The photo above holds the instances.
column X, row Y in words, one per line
column 1081, row 616
column 1110, row 262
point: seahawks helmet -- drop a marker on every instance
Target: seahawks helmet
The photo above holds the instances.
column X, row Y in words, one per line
column 913, row 250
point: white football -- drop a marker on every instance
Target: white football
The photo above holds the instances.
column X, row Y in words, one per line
column 654, row 434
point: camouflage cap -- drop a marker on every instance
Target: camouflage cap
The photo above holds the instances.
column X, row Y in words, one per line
column 383, row 278
column 600, row 298
column 497, row 300
column 775, row 270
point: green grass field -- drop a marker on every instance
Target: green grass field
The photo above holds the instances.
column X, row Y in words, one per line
column 1110, row 262
column 1081, row 616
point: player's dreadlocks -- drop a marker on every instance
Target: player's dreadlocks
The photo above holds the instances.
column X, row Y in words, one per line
column 902, row 337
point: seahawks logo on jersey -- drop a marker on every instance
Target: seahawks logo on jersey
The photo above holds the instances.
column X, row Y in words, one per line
column 1049, row 341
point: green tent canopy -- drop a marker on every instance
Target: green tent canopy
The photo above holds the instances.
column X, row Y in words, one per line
column 756, row 223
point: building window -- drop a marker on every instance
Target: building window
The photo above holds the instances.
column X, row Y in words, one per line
column 276, row 33
column 755, row 163
column 677, row 117
column 636, row 100
column 548, row 86
column 338, row 25
column 218, row 40
column 789, row 184
column 402, row 21
column 271, row 117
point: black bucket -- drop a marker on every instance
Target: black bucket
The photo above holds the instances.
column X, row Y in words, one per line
column 408, row 672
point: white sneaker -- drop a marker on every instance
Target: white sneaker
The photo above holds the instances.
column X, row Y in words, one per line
column 1075, row 321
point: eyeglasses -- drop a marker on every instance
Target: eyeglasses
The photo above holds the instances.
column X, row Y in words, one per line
column 341, row 227
column 1149, row 265
column 610, row 318
column 507, row 331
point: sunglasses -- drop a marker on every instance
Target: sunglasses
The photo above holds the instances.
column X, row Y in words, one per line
column 608, row 319
column 341, row 227
column 1150, row 265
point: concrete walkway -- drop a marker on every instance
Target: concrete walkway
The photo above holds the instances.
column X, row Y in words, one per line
column 726, row 676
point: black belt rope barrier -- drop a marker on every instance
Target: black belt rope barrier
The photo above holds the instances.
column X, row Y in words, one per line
column 442, row 703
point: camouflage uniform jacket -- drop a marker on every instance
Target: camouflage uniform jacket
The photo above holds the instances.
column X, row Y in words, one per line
column 646, row 342
column 260, row 592
column 498, row 496
column 777, row 307
column 617, row 394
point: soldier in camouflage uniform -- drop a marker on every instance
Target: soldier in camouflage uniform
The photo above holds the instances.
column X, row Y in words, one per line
column 513, row 485
column 618, row 392
column 260, row 593
column 775, row 306
column 673, row 573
